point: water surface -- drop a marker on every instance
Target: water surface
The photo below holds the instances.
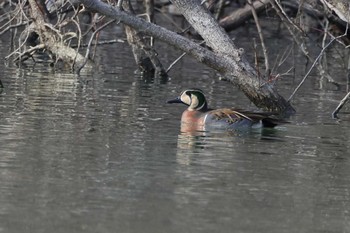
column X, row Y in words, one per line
column 104, row 153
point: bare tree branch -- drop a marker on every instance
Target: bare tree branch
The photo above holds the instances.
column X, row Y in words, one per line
column 225, row 57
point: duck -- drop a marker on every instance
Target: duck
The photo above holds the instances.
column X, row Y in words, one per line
column 199, row 117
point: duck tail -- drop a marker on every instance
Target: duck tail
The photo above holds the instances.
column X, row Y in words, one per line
column 271, row 122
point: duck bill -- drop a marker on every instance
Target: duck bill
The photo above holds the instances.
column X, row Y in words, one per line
column 174, row 101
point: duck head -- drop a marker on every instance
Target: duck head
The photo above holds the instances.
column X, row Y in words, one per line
column 193, row 98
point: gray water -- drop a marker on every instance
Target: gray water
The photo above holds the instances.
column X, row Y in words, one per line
column 104, row 153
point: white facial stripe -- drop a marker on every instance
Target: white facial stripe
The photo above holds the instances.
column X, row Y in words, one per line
column 201, row 106
column 194, row 102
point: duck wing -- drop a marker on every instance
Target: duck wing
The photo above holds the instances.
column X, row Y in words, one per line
column 231, row 116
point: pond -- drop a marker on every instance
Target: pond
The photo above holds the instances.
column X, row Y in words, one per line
column 103, row 152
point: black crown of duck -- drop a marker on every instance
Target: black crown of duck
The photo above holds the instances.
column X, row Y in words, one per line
column 200, row 117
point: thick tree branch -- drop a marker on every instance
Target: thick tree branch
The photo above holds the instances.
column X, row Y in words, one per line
column 225, row 57
column 201, row 54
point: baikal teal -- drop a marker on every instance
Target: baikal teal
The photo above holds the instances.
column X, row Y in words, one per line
column 199, row 117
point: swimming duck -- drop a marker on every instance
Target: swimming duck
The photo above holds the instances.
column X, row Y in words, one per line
column 199, row 117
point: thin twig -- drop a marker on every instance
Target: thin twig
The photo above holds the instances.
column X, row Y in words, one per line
column 258, row 27
column 17, row 12
column 90, row 41
column 28, row 30
column 12, row 26
column 100, row 43
column 174, row 62
column 301, row 45
column 340, row 105
column 313, row 65
column 280, row 8
column 169, row 19
column 281, row 58
column 256, row 60
column 79, row 40
column 178, row 59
